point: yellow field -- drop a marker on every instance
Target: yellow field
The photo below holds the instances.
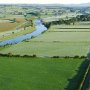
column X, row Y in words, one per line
column 8, row 26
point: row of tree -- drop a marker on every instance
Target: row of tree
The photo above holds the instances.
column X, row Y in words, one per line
column 69, row 21
column 83, row 17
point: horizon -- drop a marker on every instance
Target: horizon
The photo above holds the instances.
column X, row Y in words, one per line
column 66, row 2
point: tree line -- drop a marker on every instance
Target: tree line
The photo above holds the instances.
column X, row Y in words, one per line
column 67, row 21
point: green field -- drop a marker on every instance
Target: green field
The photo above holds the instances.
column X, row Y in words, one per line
column 40, row 73
column 64, row 37
column 34, row 64
column 55, row 43
column 48, row 49
column 76, row 26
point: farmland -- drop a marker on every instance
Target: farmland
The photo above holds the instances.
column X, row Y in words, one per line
column 39, row 73
column 15, row 33
column 54, row 60
column 55, row 42
column 7, row 26
column 45, row 49
column 9, row 30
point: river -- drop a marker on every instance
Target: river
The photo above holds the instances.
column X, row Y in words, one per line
column 39, row 29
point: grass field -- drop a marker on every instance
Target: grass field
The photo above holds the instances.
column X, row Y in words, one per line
column 64, row 36
column 54, row 43
column 48, row 49
column 77, row 26
column 39, row 73
column 43, row 72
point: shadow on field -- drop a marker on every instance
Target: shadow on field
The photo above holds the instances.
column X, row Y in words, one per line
column 74, row 83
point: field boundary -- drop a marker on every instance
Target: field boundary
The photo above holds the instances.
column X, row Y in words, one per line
column 34, row 55
column 68, row 31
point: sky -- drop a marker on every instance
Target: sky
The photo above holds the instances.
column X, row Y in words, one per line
column 43, row 1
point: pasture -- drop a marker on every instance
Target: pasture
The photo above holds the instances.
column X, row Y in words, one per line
column 54, row 42
column 18, row 73
column 48, row 49
column 64, row 37
column 43, row 72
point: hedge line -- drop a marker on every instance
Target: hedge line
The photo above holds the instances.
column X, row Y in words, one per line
column 11, row 55
column 34, row 55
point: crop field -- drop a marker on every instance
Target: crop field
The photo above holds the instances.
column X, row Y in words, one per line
column 10, row 30
column 7, row 26
column 54, row 60
column 40, row 73
column 76, row 27
column 54, row 43
column 19, row 32
column 48, row 49
column 64, row 36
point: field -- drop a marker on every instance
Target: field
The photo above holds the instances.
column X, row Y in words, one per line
column 10, row 30
column 7, row 26
column 40, row 73
column 64, row 37
column 59, row 62
column 16, row 33
column 65, row 41
column 45, row 49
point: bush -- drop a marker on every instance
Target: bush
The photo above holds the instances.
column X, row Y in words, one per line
column 17, row 56
column 76, row 56
column 55, row 56
column 82, row 57
column 26, row 56
column 34, row 55
column 67, row 57
column 9, row 54
column 47, row 25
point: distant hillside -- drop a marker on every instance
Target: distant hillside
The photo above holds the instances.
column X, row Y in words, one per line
column 77, row 5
